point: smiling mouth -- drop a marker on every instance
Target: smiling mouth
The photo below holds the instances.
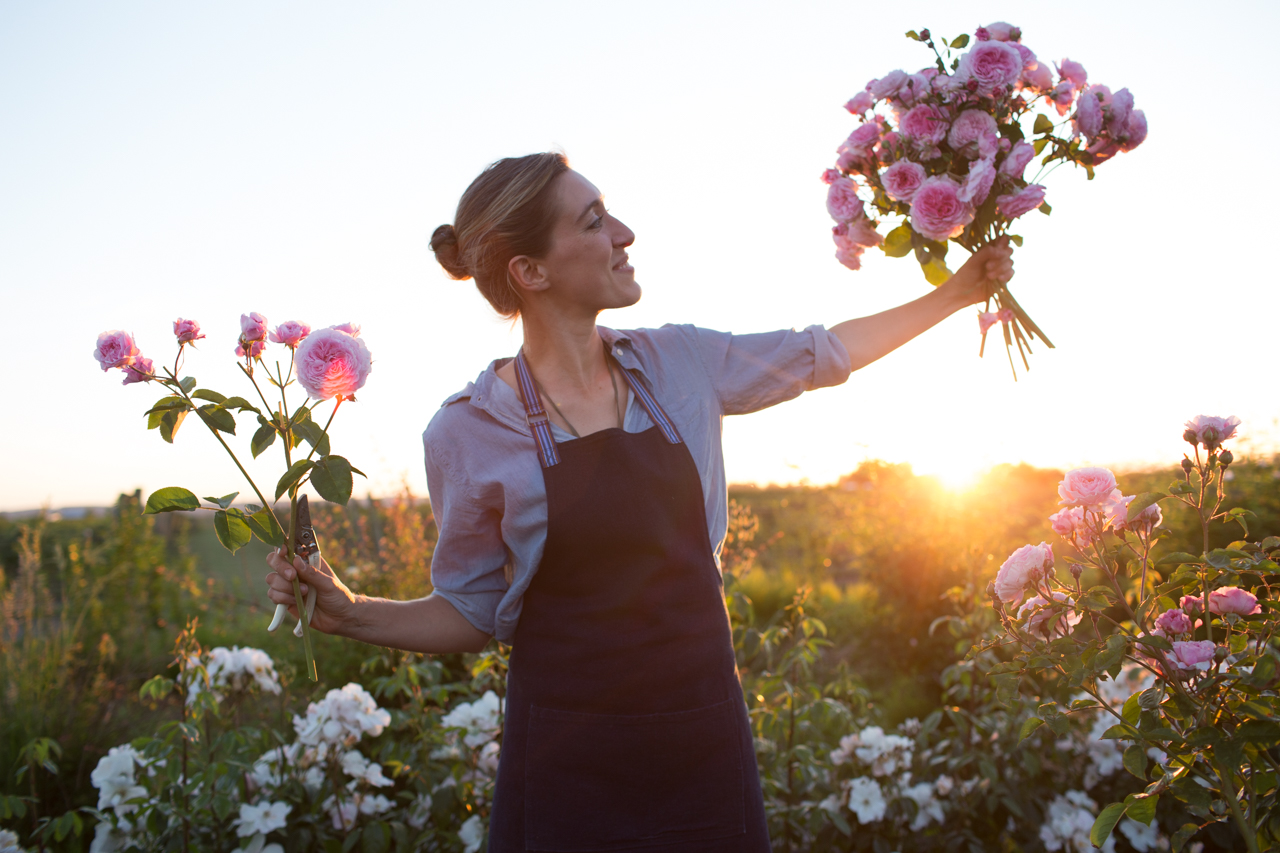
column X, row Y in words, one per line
column 623, row 266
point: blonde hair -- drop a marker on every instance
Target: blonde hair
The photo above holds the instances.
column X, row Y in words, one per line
column 508, row 210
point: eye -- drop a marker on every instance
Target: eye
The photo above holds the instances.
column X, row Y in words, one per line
column 597, row 223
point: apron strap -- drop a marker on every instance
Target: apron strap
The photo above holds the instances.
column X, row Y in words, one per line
column 651, row 405
column 535, row 414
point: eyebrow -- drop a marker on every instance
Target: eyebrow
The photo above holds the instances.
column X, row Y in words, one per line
column 591, row 207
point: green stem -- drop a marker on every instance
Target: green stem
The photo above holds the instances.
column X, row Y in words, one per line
column 1228, row 788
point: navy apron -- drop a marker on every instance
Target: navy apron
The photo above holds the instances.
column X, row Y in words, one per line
column 625, row 723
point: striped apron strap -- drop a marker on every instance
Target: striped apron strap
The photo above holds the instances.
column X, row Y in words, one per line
column 535, row 414
column 651, row 405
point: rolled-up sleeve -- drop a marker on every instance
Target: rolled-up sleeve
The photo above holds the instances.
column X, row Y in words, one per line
column 753, row 372
column 467, row 566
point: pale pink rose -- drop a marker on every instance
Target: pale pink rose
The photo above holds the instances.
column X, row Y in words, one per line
column 1144, row 522
column 842, row 200
column 977, row 184
column 1070, row 523
column 1028, row 58
column 1038, row 612
column 115, row 349
column 916, row 86
column 993, row 65
column 936, row 209
column 1211, row 431
column 1000, row 31
column 1233, row 599
column 1025, row 566
column 1038, row 79
column 1135, row 131
column 851, row 258
column 290, row 333
column 829, row 175
column 1192, row 603
column 332, row 363
column 889, row 148
column 986, row 320
column 253, row 327
column 982, row 34
column 862, row 233
column 141, row 370
column 250, row 349
column 1074, row 73
column 865, row 135
column 1062, row 97
column 924, row 123
column 1088, row 119
column 1089, row 487
column 1121, row 108
column 902, row 179
column 860, row 103
column 968, row 127
column 1015, row 163
column 1172, row 622
column 1194, row 655
column 1024, row 200
column 1005, row 315
column 350, row 328
column 989, row 145
column 850, row 159
column 888, row 85
column 188, row 331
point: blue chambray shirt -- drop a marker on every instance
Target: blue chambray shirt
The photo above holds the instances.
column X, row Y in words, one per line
column 485, row 480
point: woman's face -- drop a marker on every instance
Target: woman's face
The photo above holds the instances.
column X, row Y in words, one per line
column 587, row 263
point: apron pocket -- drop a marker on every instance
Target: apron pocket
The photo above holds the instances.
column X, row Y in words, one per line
column 609, row 782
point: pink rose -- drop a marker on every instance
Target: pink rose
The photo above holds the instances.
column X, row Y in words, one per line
column 1025, row 566
column 1024, row 200
column 1208, row 430
column 969, row 127
column 332, row 363
column 350, row 328
column 1192, row 603
column 977, row 184
column 1121, row 107
column 1070, row 523
column 1194, row 655
column 1086, row 487
column 1028, row 57
column 888, row 149
column 1135, row 131
column 860, row 103
column 1233, row 599
column 1173, row 622
column 115, row 349
column 924, row 123
column 861, row 232
column 1038, row 79
column 1062, row 97
column 188, row 331
column 1000, row 31
column 982, row 34
column 290, row 333
column 993, row 65
column 829, row 175
column 250, row 349
column 936, row 209
column 1144, row 522
column 902, row 179
column 1038, row 612
column 1074, row 73
column 865, row 135
column 1089, row 117
column 1005, row 315
column 1015, row 163
column 986, row 320
column 253, row 327
column 141, row 370
column 842, row 200
column 888, row 85
column 851, row 257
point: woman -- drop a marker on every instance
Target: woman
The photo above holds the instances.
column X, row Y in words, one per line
column 579, row 492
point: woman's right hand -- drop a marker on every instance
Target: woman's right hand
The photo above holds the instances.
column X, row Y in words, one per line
column 335, row 611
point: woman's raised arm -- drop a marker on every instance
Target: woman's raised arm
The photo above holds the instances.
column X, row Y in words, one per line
column 869, row 338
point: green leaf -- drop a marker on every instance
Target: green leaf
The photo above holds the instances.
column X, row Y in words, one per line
column 1142, row 501
column 1040, row 144
column 208, row 394
column 224, row 501
column 262, row 439
column 1177, row 557
column 218, row 418
column 169, row 423
column 301, row 414
column 1042, row 124
column 188, row 383
column 1016, row 239
column 292, row 476
column 315, row 435
column 960, row 41
column 157, row 687
column 1131, row 710
column 935, row 272
column 1097, row 598
column 266, row 527
column 232, row 531
column 332, row 479
column 1120, row 731
column 355, row 470
column 376, row 838
column 240, row 404
column 1135, row 761
column 1028, row 727
column 1266, row 730
column 1180, row 838
column 171, row 499
column 897, row 243
column 912, row 34
column 1156, row 642
column 1107, row 820
column 1045, row 208
column 1141, row 807
column 166, row 403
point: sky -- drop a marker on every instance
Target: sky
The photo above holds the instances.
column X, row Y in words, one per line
column 162, row 160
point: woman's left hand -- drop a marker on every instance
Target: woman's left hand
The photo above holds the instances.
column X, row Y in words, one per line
column 990, row 266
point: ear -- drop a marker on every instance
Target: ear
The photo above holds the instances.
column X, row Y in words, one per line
column 527, row 275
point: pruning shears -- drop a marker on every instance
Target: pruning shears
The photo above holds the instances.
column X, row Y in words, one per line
column 306, row 547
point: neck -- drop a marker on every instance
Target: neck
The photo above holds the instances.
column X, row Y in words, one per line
column 564, row 351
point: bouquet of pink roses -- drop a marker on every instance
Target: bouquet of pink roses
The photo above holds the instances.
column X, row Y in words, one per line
column 951, row 156
column 329, row 364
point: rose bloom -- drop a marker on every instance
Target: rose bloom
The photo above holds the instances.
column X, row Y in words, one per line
column 1209, row 430
column 861, row 232
column 986, row 320
column 924, row 123
column 1000, row 31
column 350, row 328
column 860, row 103
column 1074, row 73
column 1192, row 604
column 902, row 179
column 1088, row 487
column 1024, row 566
column 332, row 363
column 1135, row 131
column 1089, row 115
column 1071, row 524
column 1117, row 509
column 1062, row 97
column 1173, row 621
column 253, row 326
column 969, row 127
column 1233, row 599
column 864, row 137
column 187, row 331
column 1194, row 655
column 888, row 85
column 1039, row 611
column 842, row 200
column 936, row 209
column 141, row 370
column 829, row 175
column 1039, row 78
column 994, row 65
column 115, row 349
column 1015, row 163
column 1146, row 521
column 290, row 333
column 250, row 349
column 977, row 184
column 1121, row 107
column 1023, row 201
column 1005, row 315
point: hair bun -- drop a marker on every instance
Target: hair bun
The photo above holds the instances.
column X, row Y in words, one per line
column 444, row 242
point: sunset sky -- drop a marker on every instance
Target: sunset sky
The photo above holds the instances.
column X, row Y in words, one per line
column 160, row 160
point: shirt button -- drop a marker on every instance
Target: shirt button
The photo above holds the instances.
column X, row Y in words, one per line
column 617, row 350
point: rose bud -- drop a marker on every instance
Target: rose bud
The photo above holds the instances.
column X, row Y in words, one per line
column 1187, row 465
column 1225, row 458
column 1076, row 571
column 924, row 35
column 1190, row 437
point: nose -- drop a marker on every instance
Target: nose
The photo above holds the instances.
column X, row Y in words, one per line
column 622, row 235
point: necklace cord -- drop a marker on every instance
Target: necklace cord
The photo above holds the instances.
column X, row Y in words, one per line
column 617, row 405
